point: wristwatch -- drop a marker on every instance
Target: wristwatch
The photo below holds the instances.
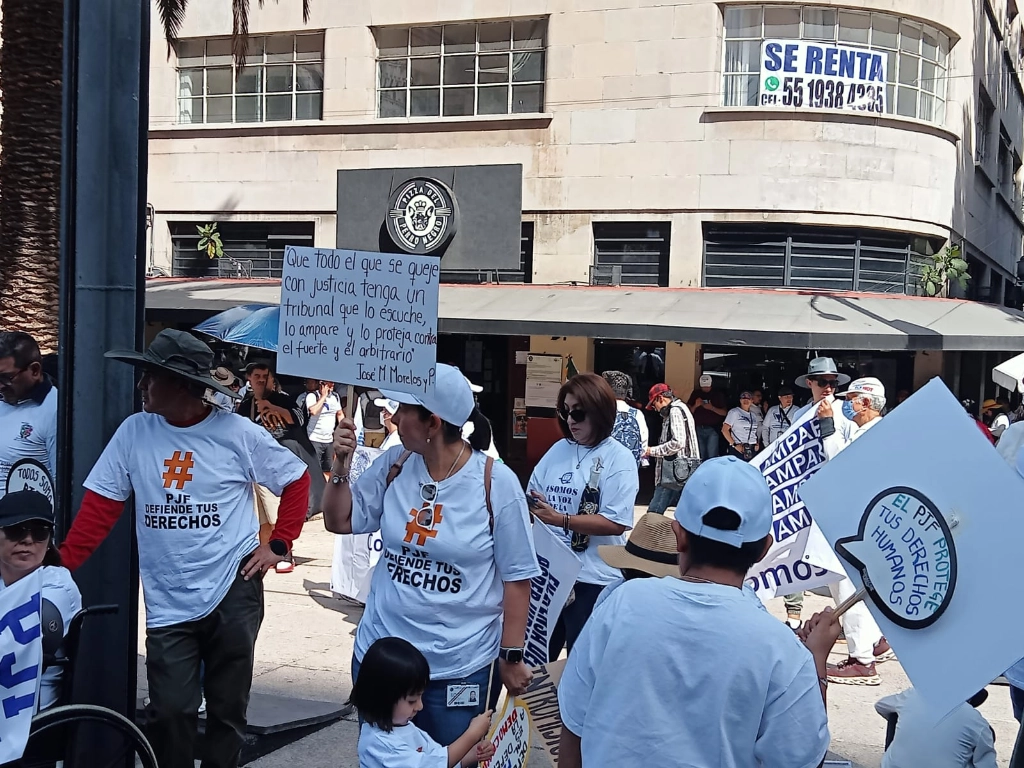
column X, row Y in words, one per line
column 278, row 547
column 510, row 655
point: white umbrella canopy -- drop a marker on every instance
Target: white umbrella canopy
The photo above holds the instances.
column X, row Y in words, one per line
column 1009, row 374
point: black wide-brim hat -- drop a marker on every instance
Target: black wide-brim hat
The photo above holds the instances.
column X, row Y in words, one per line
column 179, row 353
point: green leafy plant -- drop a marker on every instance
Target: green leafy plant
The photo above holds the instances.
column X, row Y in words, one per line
column 209, row 240
column 946, row 267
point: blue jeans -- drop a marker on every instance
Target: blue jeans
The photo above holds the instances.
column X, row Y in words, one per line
column 663, row 499
column 573, row 617
column 445, row 724
column 708, row 441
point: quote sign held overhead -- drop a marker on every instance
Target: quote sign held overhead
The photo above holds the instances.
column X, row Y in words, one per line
column 906, row 557
column 356, row 317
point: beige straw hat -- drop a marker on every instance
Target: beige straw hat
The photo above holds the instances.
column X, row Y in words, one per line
column 651, row 548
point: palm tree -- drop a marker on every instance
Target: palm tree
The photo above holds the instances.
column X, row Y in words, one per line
column 31, row 69
column 31, row 66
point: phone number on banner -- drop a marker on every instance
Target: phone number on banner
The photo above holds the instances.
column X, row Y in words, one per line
column 822, row 93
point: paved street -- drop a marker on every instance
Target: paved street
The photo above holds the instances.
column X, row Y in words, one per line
column 305, row 648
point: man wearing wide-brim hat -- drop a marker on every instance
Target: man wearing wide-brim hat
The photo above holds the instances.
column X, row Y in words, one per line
column 192, row 469
column 824, row 380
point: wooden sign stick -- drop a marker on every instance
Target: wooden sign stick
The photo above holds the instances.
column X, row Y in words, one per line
column 849, row 602
column 350, row 410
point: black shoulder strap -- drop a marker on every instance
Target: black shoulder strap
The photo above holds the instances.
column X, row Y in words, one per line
column 488, row 470
column 396, row 469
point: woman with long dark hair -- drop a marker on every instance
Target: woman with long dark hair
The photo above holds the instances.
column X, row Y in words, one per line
column 454, row 576
column 584, row 488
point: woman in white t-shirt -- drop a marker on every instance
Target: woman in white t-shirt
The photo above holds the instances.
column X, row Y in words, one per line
column 742, row 428
column 454, row 575
column 586, row 414
column 26, row 545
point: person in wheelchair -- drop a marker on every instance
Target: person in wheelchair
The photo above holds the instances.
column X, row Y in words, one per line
column 26, row 519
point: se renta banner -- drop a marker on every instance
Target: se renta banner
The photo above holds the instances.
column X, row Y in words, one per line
column 799, row 558
column 549, row 592
column 21, row 661
column 806, row 74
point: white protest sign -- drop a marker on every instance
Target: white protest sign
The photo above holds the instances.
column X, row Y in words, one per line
column 793, row 563
column 510, row 736
column 559, row 567
column 360, row 318
column 541, row 699
column 21, row 661
column 935, row 523
column 356, row 554
column 30, row 475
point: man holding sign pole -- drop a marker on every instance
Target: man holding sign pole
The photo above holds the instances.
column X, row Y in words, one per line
column 704, row 698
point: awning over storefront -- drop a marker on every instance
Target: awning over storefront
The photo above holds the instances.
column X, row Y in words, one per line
column 738, row 317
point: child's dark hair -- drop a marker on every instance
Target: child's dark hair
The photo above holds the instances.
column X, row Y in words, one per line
column 391, row 669
column 704, row 551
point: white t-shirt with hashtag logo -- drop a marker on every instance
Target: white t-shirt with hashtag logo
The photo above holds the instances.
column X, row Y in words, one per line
column 193, row 489
column 440, row 582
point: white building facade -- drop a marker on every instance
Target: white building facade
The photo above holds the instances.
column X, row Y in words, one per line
column 650, row 153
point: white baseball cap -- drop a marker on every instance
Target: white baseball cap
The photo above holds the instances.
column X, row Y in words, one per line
column 451, row 400
column 705, row 380
column 388, row 405
column 731, row 483
column 868, row 385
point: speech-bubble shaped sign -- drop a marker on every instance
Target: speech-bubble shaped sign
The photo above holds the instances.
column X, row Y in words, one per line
column 30, row 475
column 905, row 554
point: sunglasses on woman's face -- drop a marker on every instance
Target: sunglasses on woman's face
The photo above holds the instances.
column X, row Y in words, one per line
column 38, row 531
column 576, row 414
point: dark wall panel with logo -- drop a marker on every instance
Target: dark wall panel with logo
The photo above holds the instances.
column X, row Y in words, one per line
column 489, row 199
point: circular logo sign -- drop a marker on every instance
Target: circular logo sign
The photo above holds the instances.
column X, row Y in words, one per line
column 906, row 557
column 771, row 83
column 422, row 216
column 30, row 475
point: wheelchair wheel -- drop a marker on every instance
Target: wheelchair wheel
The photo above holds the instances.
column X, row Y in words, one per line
column 58, row 730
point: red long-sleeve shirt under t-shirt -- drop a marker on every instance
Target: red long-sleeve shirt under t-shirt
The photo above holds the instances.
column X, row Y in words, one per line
column 190, row 482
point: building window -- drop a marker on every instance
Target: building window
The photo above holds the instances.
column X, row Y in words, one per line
column 251, row 249
column 630, row 253
column 983, row 126
column 917, row 53
column 283, row 79
column 808, row 257
column 480, row 276
column 489, row 68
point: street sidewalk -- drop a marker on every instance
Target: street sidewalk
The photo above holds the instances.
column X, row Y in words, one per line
column 305, row 650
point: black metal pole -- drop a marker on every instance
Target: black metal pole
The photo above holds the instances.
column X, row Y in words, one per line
column 106, row 70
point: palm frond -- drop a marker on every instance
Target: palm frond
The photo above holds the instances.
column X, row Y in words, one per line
column 240, row 30
column 172, row 15
column 307, row 9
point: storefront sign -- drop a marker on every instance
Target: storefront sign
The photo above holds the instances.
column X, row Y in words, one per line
column 422, row 216
column 811, row 75
column 356, row 317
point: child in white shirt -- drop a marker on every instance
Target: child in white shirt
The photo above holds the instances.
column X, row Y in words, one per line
column 388, row 694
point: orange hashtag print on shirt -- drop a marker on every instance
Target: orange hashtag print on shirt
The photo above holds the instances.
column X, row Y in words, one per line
column 178, row 470
column 413, row 529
